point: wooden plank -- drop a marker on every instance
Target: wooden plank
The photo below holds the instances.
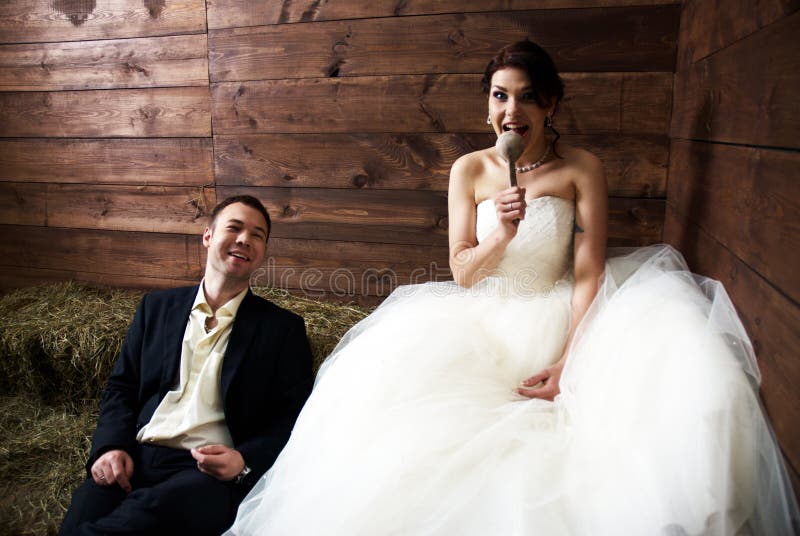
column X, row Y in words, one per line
column 430, row 103
column 644, row 39
column 409, row 217
column 155, row 161
column 383, row 216
column 371, row 269
column 636, row 166
column 745, row 93
column 641, row 91
column 746, row 199
column 122, row 63
column 230, row 13
column 36, row 21
column 23, row 204
column 134, row 254
column 154, row 209
column 707, row 27
column 635, row 222
column 770, row 318
column 13, row 277
column 320, row 267
column 158, row 112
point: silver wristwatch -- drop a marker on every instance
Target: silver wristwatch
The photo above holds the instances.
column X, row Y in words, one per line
column 243, row 474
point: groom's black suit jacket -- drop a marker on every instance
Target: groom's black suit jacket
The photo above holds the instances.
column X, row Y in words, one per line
column 266, row 376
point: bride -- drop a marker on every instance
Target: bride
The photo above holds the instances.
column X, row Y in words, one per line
column 547, row 390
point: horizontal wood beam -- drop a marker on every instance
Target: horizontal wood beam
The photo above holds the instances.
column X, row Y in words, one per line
column 596, row 102
column 229, row 13
column 156, row 209
column 158, row 112
column 747, row 200
column 705, row 28
column 636, row 166
column 36, row 21
column 123, row 63
column 141, row 162
column 410, row 217
column 579, row 40
column 745, row 93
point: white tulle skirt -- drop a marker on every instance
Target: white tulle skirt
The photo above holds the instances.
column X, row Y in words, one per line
column 414, row 427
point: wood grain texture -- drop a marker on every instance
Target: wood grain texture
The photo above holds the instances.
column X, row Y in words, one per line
column 153, row 209
column 636, row 166
column 382, row 216
column 635, row 222
column 345, row 271
column 36, row 21
column 23, row 203
column 431, row 103
column 13, row 277
column 410, row 217
column 122, row 63
column 644, row 39
column 158, row 161
column 769, row 316
column 745, row 93
column 321, row 267
column 161, row 112
column 131, row 254
column 747, row 200
column 707, row 27
column 230, row 13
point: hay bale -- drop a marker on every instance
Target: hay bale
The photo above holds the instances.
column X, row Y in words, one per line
column 60, row 341
column 57, row 346
column 42, row 452
column 325, row 322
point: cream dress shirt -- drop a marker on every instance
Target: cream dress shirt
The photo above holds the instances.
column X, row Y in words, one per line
column 191, row 414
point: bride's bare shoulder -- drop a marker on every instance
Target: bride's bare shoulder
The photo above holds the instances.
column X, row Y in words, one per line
column 474, row 164
column 583, row 165
column 578, row 157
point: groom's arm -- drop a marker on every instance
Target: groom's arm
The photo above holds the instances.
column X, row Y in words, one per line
column 116, row 424
column 289, row 387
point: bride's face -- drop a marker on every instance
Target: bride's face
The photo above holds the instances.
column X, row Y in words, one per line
column 512, row 106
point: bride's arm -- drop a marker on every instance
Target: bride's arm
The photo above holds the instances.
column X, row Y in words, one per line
column 469, row 261
column 591, row 217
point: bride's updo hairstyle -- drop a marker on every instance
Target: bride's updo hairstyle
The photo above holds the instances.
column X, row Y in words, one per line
column 538, row 65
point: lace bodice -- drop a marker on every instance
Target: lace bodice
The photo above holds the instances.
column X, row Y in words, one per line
column 541, row 253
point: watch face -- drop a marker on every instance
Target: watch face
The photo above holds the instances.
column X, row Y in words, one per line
column 244, row 473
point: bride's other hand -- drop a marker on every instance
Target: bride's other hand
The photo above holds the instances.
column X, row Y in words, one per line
column 509, row 205
column 549, row 377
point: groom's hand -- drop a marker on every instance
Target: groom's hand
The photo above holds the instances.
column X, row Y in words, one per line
column 113, row 467
column 219, row 461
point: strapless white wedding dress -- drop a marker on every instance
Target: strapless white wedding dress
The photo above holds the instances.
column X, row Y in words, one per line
column 414, row 427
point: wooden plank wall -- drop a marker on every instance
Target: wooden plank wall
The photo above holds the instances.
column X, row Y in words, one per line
column 106, row 155
column 733, row 206
column 346, row 117
column 122, row 122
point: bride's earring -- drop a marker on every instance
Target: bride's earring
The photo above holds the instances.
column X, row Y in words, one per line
column 488, row 119
column 548, row 121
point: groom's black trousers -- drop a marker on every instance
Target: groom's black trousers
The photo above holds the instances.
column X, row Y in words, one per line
column 170, row 496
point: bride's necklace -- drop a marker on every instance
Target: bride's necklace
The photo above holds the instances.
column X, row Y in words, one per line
column 531, row 167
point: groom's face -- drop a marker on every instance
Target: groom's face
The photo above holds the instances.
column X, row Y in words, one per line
column 236, row 242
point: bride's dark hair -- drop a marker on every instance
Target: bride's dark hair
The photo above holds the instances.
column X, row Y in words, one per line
column 538, row 65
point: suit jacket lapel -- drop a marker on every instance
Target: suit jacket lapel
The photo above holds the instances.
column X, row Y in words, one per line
column 244, row 328
column 172, row 332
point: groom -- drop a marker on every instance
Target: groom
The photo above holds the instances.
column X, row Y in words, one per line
column 202, row 398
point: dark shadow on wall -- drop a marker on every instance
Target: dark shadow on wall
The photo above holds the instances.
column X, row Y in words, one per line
column 77, row 11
